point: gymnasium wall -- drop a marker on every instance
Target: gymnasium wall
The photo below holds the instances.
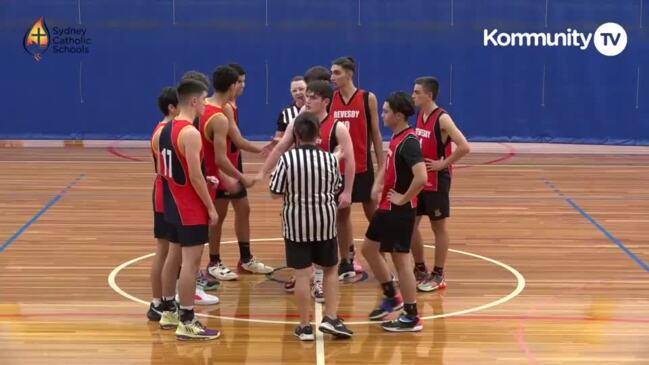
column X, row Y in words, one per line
column 551, row 94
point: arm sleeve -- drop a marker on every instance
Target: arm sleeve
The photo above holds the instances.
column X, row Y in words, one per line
column 410, row 152
column 278, row 178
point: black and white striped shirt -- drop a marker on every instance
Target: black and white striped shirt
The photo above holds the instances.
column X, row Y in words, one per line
column 287, row 116
column 309, row 179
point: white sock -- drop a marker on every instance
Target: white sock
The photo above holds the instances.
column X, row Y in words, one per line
column 318, row 276
column 156, row 302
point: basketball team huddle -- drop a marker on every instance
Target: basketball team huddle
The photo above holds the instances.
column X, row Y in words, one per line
column 320, row 164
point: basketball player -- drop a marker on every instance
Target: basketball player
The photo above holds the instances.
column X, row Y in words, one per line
column 435, row 130
column 391, row 226
column 357, row 110
column 168, row 103
column 188, row 208
column 224, row 134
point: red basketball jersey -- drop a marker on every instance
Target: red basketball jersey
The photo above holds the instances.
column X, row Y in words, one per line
column 355, row 115
column 390, row 174
column 158, row 193
column 182, row 205
column 328, row 141
column 432, row 146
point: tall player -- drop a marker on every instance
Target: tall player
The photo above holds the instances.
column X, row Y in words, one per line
column 435, row 130
column 189, row 209
column 226, row 139
column 357, row 110
column 168, row 103
column 391, row 226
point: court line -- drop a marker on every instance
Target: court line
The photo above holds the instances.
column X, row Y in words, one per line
column 319, row 337
column 113, row 151
column 520, row 286
column 43, row 210
column 592, row 220
column 495, row 318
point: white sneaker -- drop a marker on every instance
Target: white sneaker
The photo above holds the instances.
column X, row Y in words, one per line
column 202, row 298
column 222, row 272
column 255, row 267
column 317, row 293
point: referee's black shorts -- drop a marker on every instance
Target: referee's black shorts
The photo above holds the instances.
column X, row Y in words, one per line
column 392, row 229
column 300, row 255
column 436, row 204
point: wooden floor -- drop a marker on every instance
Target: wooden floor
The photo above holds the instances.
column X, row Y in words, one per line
column 550, row 267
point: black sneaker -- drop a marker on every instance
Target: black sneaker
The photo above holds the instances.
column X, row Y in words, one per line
column 304, row 333
column 154, row 312
column 404, row 323
column 346, row 270
column 388, row 305
column 335, row 327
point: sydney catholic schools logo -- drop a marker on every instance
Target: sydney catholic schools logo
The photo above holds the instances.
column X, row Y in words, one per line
column 37, row 39
column 70, row 40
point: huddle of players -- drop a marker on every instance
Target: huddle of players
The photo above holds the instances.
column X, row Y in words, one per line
column 412, row 183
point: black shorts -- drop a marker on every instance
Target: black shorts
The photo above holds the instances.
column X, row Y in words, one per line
column 223, row 194
column 393, row 229
column 161, row 228
column 436, row 204
column 362, row 191
column 188, row 236
column 300, row 255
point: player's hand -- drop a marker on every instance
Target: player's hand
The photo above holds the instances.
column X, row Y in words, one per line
column 212, row 180
column 344, row 200
column 248, row 181
column 267, row 149
column 395, row 198
column 434, row 165
column 214, row 217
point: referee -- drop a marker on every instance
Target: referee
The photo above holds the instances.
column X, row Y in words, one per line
column 288, row 114
column 309, row 178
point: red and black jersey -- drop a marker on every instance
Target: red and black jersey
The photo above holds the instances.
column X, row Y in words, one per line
column 158, row 203
column 404, row 153
column 210, row 167
column 355, row 115
column 432, row 146
column 182, row 205
column 234, row 153
column 328, row 141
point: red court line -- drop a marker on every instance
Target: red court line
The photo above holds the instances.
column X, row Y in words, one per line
column 113, row 150
column 344, row 315
column 511, row 152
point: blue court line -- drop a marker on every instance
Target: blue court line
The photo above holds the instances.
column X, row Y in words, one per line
column 47, row 206
column 596, row 224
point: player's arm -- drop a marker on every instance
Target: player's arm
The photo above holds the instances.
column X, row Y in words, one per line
column 218, row 127
column 235, row 134
column 278, row 181
column 377, row 187
column 347, row 148
column 377, row 140
column 282, row 146
column 191, row 140
column 448, row 126
column 411, row 153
